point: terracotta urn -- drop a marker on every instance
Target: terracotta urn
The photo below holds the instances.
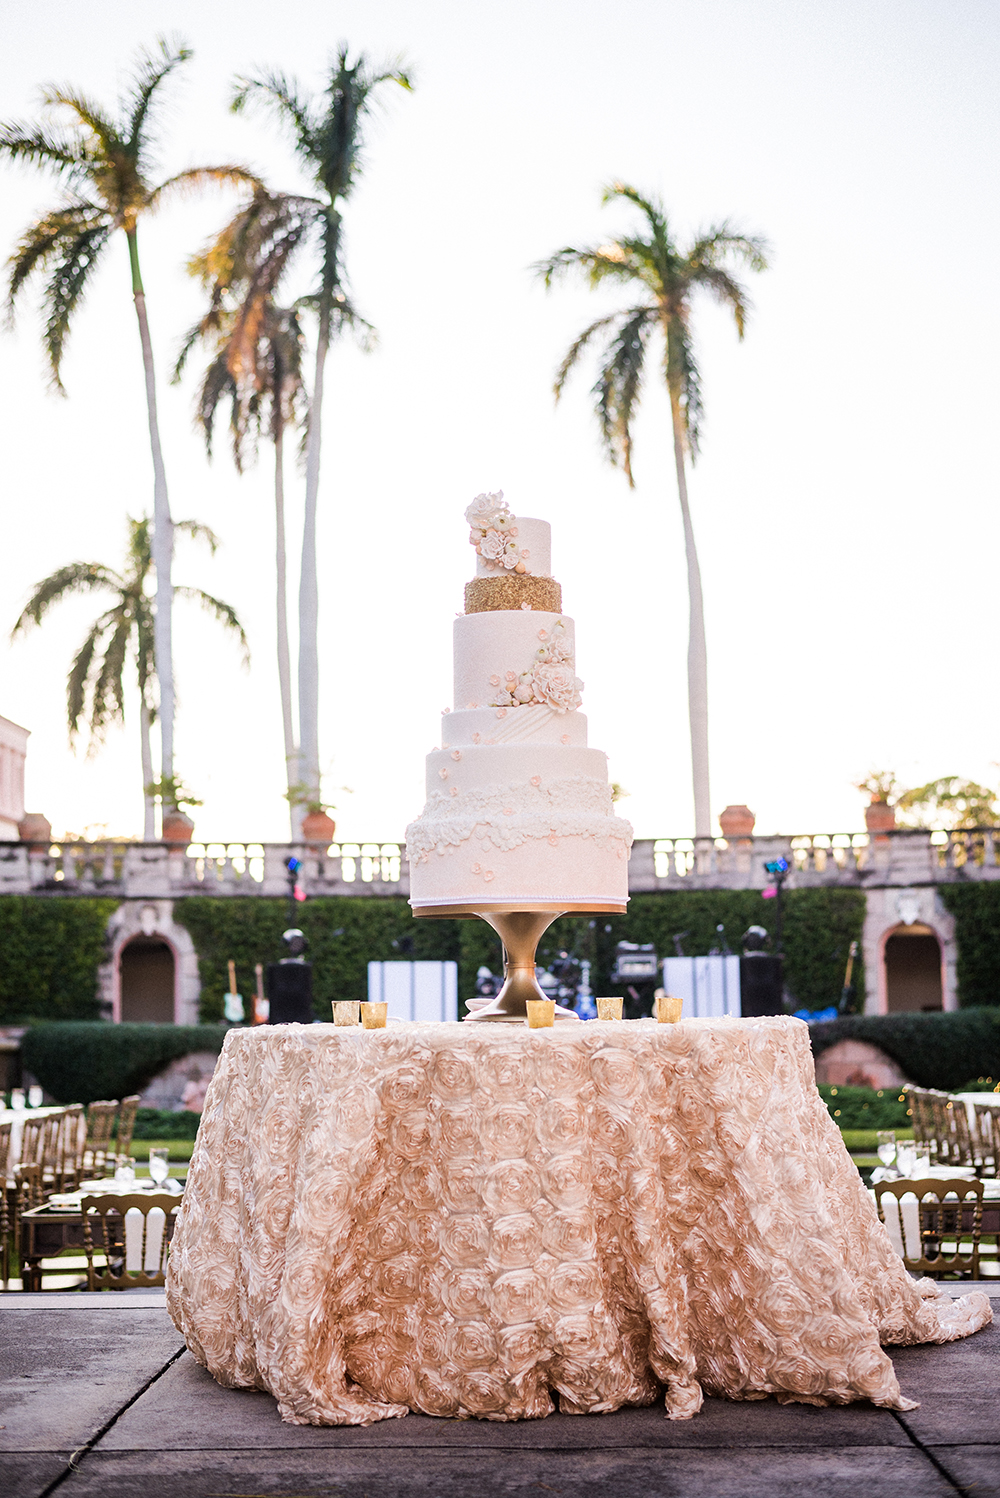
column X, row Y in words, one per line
column 318, row 827
column 736, row 822
column 177, row 827
column 880, row 817
column 34, row 828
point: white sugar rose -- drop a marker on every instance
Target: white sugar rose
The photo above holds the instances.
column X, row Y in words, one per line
column 556, row 687
column 491, row 547
column 483, row 506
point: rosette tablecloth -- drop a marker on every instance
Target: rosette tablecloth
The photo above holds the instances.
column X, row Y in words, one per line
column 464, row 1219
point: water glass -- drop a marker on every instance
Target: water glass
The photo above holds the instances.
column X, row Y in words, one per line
column 159, row 1165
column 17, row 1099
column 887, row 1146
column 906, row 1157
column 125, row 1170
column 35, row 1097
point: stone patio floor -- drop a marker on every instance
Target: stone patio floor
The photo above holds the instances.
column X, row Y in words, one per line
column 99, row 1397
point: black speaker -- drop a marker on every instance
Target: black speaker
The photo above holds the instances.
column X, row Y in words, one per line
column 289, row 989
column 761, row 985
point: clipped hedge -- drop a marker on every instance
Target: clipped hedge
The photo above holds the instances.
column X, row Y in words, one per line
column 50, row 950
column 79, row 1063
column 345, row 934
column 933, row 1050
column 160, row 1123
column 976, row 908
column 865, row 1107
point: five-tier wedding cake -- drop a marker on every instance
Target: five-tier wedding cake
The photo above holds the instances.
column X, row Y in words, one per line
column 519, row 811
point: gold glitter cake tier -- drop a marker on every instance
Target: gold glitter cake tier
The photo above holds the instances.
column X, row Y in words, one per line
column 484, row 595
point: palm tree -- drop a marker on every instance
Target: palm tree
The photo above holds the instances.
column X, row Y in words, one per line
column 665, row 276
column 256, row 364
column 327, row 138
column 95, row 687
column 105, row 161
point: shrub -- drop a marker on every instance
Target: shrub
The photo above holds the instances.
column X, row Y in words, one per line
column 78, row 1063
column 159, row 1123
column 865, row 1107
column 933, row 1050
column 976, row 908
column 50, row 950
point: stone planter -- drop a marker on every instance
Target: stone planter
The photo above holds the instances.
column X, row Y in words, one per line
column 177, row 827
column 35, row 828
column 737, row 822
column 318, row 827
column 880, row 817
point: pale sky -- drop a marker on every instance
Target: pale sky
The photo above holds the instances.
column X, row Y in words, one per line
column 846, row 501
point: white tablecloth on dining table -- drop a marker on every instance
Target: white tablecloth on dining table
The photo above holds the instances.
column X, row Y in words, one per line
column 463, row 1219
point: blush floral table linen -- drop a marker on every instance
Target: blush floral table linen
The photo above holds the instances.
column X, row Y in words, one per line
column 474, row 1220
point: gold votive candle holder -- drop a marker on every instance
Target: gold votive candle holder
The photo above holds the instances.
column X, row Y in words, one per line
column 668, row 1008
column 345, row 1011
column 373, row 1015
column 609, row 1008
column 541, row 1013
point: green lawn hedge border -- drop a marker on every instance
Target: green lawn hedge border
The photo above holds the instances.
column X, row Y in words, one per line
column 933, row 1050
column 80, row 1062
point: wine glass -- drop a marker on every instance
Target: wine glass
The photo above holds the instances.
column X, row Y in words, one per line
column 906, row 1157
column 159, row 1165
column 886, row 1146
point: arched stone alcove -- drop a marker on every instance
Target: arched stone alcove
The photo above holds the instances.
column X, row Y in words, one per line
column 149, row 952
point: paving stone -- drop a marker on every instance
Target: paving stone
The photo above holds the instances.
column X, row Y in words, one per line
column 186, row 1410
column 958, row 1386
column 26, row 1474
column 889, row 1472
column 63, row 1377
column 975, row 1468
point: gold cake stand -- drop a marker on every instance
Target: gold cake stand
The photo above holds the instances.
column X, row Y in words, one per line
column 520, row 929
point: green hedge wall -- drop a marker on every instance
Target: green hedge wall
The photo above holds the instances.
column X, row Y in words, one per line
column 865, row 1108
column 819, row 927
column 933, row 1050
column 976, row 908
column 158, row 1123
column 79, row 1063
column 50, row 950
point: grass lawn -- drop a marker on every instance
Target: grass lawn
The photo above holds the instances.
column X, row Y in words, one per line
column 180, row 1151
column 864, row 1140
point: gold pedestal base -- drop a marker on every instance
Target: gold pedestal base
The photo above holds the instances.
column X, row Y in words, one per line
column 520, row 931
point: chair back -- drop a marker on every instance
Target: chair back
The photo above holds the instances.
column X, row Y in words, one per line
column 4, row 1152
column 106, row 1233
column 919, row 1104
column 988, row 1132
column 941, row 1125
column 127, row 1109
column 100, row 1127
column 72, row 1141
column 32, row 1141
column 943, row 1236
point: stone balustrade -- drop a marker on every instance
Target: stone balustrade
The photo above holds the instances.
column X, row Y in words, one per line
column 133, row 870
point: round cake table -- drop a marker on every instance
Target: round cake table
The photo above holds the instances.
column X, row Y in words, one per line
column 464, row 1219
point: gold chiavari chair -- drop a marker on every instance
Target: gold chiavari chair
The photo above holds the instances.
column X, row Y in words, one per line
column 107, row 1215
column 949, row 1231
column 988, row 1132
column 99, row 1151
column 127, row 1109
column 71, row 1145
column 5, row 1191
column 919, row 1101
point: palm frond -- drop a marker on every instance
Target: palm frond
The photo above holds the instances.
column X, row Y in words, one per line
column 77, row 577
column 66, row 285
column 619, row 386
column 577, row 347
column 107, row 698
column 223, row 612
column 151, row 70
column 198, row 532
column 229, row 174
column 45, row 238
column 39, row 147
column 90, row 116
column 76, row 683
column 727, row 290
column 722, row 241
column 281, row 95
column 651, row 207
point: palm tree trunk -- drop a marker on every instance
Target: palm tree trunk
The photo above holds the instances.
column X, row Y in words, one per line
column 284, row 661
column 163, row 536
column 697, row 654
column 309, row 584
column 149, row 801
